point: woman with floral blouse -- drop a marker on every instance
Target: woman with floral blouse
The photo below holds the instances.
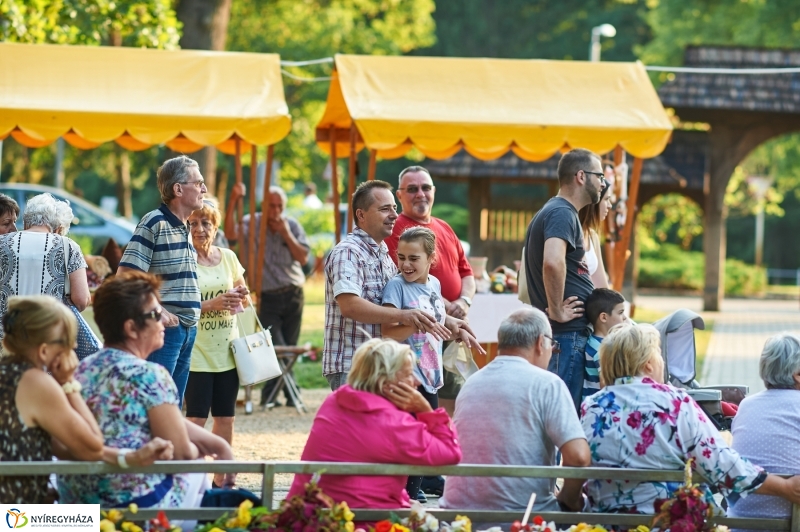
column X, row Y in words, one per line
column 637, row 421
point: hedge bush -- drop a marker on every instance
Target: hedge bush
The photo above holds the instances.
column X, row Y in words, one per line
column 671, row 267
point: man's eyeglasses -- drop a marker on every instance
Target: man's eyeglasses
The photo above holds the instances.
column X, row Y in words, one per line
column 413, row 189
column 153, row 315
column 198, row 184
column 556, row 347
column 601, row 175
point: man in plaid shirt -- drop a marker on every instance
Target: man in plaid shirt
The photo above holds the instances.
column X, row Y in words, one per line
column 355, row 273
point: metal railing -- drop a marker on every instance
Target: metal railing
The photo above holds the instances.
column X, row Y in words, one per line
column 778, row 273
column 269, row 469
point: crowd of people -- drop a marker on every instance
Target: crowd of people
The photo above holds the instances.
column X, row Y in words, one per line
column 574, row 381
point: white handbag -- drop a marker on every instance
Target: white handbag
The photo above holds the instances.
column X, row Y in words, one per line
column 256, row 360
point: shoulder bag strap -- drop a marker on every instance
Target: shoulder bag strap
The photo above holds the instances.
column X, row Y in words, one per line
column 242, row 333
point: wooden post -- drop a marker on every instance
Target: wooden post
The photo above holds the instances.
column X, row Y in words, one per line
column 262, row 229
column 622, row 246
column 335, row 186
column 373, row 155
column 251, row 244
column 239, row 204
column 351, row 178
column 610, row 245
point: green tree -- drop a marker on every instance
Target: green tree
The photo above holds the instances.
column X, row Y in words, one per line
column 303, row 29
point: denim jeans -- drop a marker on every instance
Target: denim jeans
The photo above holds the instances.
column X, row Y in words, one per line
column 176, row 355
column 336, row 380
column 569, row 363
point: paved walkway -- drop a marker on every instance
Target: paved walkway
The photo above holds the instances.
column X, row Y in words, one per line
column 740, row 330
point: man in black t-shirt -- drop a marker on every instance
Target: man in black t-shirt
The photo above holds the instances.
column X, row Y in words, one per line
column 557, row 275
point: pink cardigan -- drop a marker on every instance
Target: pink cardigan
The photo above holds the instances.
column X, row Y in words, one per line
column 354, row 426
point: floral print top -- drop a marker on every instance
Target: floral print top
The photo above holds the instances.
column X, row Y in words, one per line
column 640, row 424
column 119, row 388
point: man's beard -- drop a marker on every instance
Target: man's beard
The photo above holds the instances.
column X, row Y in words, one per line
column 593, row 191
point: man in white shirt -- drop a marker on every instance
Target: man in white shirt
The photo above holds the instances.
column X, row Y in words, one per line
column 515, row 412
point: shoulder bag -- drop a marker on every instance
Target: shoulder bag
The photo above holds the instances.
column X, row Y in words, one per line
column 88, row 342
column 256, row 360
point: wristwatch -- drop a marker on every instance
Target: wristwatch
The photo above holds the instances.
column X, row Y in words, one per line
column 467, row 300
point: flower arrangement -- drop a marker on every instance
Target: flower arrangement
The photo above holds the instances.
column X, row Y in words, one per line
column 113, row 521
column 419, row 520
column 688, row 510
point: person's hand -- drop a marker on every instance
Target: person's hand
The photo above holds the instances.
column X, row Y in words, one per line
column 168, row 319
column 155, row 449
column 423, row 322
column 571, row 308
column 575, row 505
column 242, row 291
column 458, row 308
column 226, row 301
column 239, row 190
column 405, row 397
column 280, row 226
column 63, row 366
column 792, row 489
column 469, row 340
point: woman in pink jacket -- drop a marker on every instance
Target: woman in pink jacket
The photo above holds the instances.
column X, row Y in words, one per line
column 370, row 420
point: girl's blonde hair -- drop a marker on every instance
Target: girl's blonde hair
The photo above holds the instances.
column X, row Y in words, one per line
column 422, row 235
column 30, row 320
column 210, row 211
column 376, row 362
column 626, row 350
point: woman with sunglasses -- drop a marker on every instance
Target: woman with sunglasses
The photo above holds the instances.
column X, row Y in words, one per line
column 43, row 411
column 591, row 217
column 135, row 400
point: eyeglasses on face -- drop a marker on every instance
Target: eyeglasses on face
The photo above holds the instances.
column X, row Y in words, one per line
column 413, row 189
column 153, row 314
column 556, row 347
column 601, row 175
column 199, row 183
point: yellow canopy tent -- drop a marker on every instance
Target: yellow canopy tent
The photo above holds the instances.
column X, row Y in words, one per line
column 488, row 107
column 139, row 98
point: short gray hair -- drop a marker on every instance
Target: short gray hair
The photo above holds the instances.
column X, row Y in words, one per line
column 522, row 329
column 46, row 210
column 414, row 170
column 280, row 192
column 780, row 361
column 173, row 171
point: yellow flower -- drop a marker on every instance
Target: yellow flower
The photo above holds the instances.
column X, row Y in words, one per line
column 349, row 526
column 399, row 528
column 216, row 529
column 114, row 516
column 130, row 527
column 641, row 528
column 244, row 516
column 133, row 508
column 346, row 513
column 107, row 526
column 467, row 524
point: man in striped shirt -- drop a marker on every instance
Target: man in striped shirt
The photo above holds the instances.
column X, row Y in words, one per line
column 161, row 246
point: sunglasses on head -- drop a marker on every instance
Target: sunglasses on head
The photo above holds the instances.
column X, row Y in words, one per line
column 413, row 189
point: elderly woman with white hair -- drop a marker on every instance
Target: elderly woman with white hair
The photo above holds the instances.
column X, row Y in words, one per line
column 765, row 428
column 638, row 422
column 379, row 417
column 39, row 258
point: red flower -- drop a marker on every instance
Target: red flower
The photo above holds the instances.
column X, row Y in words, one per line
column 634, row 419
column 707, row 453
column 383, row 526
column 538, row 520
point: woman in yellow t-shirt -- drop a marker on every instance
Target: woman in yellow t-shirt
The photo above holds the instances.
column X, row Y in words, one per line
column 213, row 381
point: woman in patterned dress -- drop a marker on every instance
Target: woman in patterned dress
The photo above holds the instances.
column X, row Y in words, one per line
column 135, row 400
column 44, row 414
column 637, row 421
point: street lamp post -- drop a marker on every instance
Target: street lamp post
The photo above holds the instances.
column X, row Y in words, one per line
column 759, row 185
column 603, row 30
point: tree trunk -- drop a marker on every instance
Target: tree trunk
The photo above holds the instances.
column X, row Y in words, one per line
column 205, row 27
column 125, row 206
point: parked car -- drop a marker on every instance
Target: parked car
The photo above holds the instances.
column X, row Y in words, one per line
column 89, row 221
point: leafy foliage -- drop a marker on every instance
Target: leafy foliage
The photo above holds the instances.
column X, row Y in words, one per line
column 667, row 217
column 302, row 29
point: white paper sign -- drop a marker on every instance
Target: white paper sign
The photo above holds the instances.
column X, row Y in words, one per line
column 51, row 517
